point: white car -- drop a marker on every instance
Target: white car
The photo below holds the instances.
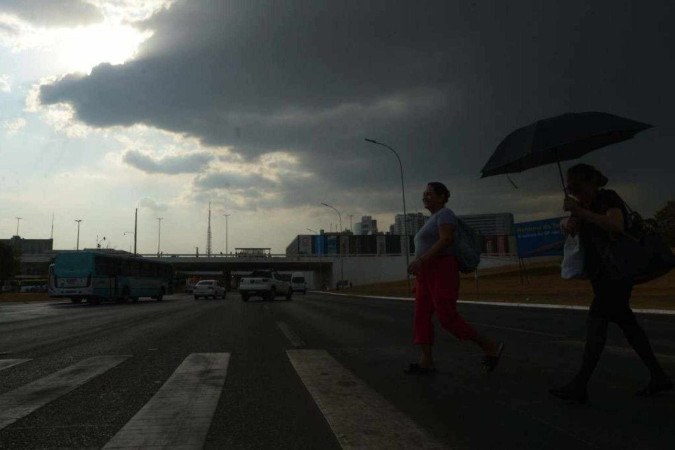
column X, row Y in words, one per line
column 209, row 288
column 298, row 283
column 265, row 284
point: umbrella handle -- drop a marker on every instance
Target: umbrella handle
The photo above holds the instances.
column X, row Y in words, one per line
column 562, row 178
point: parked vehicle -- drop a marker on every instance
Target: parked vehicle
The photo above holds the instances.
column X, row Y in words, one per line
column 265, row 284
column 298, row 283
column 209, row 288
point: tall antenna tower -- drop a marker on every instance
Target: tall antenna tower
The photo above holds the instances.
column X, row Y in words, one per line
column 208, row 234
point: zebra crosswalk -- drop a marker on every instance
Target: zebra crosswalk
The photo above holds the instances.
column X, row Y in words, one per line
column 181, row 412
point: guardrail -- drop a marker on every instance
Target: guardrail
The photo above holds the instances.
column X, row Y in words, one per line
column 284, row 256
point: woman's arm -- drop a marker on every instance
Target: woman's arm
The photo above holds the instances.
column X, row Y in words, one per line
column 611, row 221
column 446, row 238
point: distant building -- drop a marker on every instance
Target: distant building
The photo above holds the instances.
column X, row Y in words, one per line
column 413, row 222
column 29, row 246
column 367, row 226
column 496, row 230
column 35, row 255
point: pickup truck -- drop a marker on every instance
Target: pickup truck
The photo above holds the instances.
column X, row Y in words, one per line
column 265, row 284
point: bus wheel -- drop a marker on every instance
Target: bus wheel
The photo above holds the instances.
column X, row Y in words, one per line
column 160, row 297
column 93, row 300
column 76, row 300
column 244, row 297
column 125, row 295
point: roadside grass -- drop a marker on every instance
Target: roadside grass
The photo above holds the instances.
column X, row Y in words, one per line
column 542, row 285
column 24, row 297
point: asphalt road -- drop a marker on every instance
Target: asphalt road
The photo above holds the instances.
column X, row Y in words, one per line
column 315, row 372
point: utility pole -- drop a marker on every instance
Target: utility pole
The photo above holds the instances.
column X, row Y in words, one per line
column 77, row 246
column 51, row 235
column 135, row 230
column 226, row 244
column 159, row 234
column 208, row 234
column 17, row 225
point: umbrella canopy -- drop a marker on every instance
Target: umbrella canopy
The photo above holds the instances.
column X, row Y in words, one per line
column 560, row 138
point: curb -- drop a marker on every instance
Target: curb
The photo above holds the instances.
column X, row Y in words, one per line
column 666, row 312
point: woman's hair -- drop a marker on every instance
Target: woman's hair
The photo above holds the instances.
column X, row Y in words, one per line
column 588, row 174
column 440, row 189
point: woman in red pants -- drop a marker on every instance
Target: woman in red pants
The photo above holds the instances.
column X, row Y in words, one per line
column 437, row 284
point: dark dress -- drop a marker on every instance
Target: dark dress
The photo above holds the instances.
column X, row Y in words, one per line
column 611, row 294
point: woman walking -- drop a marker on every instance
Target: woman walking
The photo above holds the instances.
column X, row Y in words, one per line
column 437, row 284
column 599, row 215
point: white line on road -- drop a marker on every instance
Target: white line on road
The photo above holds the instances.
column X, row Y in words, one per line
column 22, row 401
column 359, row 417
column 7, row 363
column 519, row 330
column 624, row 351
column 290, row 335
column 668, row 312
column 179, row 414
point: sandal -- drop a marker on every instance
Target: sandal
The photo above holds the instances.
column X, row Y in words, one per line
column 490, row 362
column 415, row 368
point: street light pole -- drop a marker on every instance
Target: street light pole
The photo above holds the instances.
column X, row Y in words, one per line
column 351, row 216
column 405, row 215
column 17, row 225
column 159, row 234
column 77, row 247
column 342, row 265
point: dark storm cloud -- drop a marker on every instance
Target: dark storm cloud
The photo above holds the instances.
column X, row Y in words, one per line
column 52, row 13
column 442, row 82
column 190, row 163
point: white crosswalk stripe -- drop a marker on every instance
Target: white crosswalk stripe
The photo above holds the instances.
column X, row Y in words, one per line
column 22, row 401
column 179, row 415
column 359, row 417
column 7, row 363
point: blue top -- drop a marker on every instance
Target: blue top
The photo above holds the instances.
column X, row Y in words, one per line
column 428, row 234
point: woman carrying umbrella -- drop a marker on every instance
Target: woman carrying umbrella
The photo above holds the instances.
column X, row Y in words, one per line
column 437, row 284
column 599, row 215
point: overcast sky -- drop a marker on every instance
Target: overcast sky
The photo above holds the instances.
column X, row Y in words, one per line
column 262, row 107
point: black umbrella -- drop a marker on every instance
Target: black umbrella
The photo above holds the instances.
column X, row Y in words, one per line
column 560, row 138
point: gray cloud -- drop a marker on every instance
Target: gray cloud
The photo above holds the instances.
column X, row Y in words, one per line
column 189, row 163
column 147, row 202
column 443, row 84
column 52, row 13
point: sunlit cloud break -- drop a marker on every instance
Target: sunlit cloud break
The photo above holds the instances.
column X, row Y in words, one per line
column 13, row 126
column 4, row 84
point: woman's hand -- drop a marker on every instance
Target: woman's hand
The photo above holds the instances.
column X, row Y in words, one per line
column 415, row 266
column 572, row 205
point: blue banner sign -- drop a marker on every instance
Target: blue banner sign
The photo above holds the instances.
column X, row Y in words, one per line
column 539, row 238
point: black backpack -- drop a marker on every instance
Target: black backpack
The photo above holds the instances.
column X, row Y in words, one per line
column 640, row 253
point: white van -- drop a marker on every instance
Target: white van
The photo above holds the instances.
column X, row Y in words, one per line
column 298, row 283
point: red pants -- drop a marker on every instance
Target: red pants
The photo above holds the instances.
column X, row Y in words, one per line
column 437, row 290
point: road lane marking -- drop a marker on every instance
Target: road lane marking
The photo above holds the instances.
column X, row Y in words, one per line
column 519, row 330
column 358, row 416
column 290, row 335
column 7, row 363
column 20, row 402
column 179, row 414
column 668, row 312
column 625, row 351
